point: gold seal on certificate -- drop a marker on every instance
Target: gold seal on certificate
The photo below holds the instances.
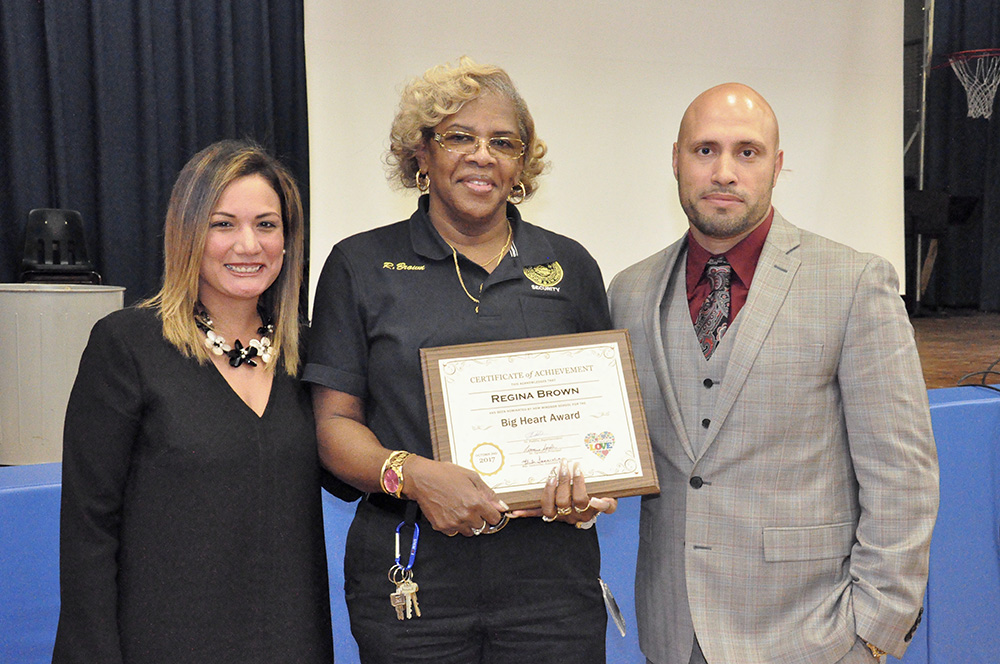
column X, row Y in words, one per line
column 511, row 410
column 486, row 459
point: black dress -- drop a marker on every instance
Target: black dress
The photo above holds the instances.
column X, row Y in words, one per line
column 191, row 528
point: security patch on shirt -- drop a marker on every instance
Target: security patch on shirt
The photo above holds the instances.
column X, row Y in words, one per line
column 545, row 276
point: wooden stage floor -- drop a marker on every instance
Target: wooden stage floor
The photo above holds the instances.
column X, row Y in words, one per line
column 954, row 343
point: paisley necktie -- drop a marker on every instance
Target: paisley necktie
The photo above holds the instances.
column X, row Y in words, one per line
column 713, row 318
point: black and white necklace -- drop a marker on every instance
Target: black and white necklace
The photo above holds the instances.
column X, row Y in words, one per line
column 238, row 353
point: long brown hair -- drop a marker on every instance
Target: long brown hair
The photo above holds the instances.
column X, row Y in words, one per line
column 194, row 197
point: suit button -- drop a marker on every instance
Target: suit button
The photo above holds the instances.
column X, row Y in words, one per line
column 708, row 382
column 705, row 423
column 696, row 482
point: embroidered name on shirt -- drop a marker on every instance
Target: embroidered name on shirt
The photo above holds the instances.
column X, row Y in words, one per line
column 388, row 265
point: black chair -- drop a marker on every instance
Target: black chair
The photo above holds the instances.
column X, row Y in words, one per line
column 55, row 250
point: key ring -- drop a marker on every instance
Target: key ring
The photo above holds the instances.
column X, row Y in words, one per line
column 413, row 549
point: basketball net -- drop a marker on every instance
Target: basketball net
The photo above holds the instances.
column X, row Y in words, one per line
column 979, row 72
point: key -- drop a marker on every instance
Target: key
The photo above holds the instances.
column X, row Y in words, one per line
column 409, row 589
column 399, row 601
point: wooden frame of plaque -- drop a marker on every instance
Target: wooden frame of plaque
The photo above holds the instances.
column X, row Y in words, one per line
column 520, row 393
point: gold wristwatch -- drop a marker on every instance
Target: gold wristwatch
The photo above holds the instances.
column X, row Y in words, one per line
column 391, row 479
column 877, row 653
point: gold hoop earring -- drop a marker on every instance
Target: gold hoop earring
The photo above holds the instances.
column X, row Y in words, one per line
column 423, row 182
column 522, row 193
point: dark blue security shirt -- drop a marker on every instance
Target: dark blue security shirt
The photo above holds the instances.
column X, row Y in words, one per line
column 386, row 293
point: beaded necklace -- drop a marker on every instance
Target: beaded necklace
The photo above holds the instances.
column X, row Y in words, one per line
column 238, row 353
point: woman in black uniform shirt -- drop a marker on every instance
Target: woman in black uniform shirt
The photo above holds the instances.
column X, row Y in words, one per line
column 191, row 526
column 463, row 268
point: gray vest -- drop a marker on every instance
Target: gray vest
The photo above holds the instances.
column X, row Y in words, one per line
column 696, row 381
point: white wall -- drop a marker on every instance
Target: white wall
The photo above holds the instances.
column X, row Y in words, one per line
column 607, row 83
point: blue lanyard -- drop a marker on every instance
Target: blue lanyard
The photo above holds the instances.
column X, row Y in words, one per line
column 413, row 546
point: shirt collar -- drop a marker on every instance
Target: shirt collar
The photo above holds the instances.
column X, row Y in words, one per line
column 427, row 242
column 742, row 257
column 529, row 244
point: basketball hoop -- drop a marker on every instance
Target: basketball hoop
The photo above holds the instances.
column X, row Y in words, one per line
column 979, row 72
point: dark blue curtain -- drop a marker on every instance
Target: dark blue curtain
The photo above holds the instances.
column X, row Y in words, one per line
column 963, row 156
column 103, row 101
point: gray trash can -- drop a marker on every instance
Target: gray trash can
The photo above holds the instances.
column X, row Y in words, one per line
column 43, row 331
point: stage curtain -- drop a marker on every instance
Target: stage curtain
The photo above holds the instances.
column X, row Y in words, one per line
column 103, row 101
column 963, row 153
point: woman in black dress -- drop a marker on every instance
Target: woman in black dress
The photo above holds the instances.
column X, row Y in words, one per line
column 463, row 268
column 191, row 524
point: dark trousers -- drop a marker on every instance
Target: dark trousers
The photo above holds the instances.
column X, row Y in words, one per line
column 528, row 593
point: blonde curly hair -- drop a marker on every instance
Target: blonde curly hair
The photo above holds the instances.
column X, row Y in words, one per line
column 441, row 92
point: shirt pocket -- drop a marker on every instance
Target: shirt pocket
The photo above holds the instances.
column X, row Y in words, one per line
column 548, row 316
column 786, row 544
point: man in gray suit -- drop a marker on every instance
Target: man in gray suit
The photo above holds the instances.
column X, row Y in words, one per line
column 789, row 421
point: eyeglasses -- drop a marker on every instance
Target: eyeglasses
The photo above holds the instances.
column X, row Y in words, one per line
column 498, row 146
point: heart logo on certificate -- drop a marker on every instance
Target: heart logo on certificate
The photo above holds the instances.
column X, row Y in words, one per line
column 600, row 443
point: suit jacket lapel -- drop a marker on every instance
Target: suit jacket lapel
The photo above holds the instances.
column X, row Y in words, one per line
column 654, row 335
column 772, row 280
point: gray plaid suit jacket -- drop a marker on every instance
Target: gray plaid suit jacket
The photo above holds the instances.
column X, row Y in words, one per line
column 819, row 482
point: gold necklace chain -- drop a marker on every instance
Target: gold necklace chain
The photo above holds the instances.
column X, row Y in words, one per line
column 458, row 271
column 503, row 250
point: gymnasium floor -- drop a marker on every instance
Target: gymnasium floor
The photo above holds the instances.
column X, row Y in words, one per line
column 953, row 343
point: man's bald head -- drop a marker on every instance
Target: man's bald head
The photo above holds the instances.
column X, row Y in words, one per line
column 726, row 161
column 734, row 100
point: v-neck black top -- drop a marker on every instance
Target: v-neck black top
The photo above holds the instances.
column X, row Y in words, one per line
column 386, row 293
column 191, row 528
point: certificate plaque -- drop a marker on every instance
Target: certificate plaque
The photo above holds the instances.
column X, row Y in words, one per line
column 511, row 410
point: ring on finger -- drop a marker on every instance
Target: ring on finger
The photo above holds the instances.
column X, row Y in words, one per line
column 563, row 511
column 497, row 528
column 480, row 529
column 548, row 519
column 581, row 510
